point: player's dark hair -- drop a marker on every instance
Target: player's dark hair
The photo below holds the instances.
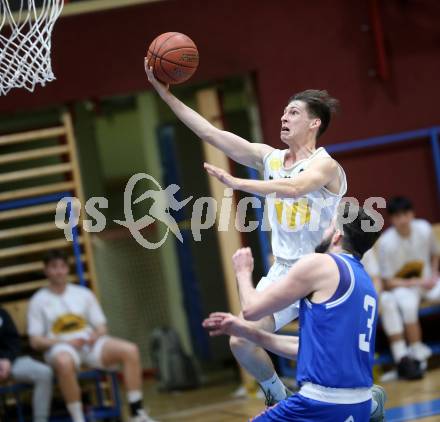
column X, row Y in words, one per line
column 399, row 204
column 54, row 255
column 357, row 238
column 319, row 105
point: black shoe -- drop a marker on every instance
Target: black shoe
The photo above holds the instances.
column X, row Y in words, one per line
column 409, row 369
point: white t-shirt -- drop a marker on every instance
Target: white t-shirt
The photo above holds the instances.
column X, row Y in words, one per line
column 406, row 257
column 371, row 263
column 298, row 224
column 72, row 314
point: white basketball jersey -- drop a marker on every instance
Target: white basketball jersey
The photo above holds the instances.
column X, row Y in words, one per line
column 407, row 257
column 298, row 224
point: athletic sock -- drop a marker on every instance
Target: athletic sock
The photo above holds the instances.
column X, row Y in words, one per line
column 373, row 406
column 134, row 398
column 275, row 386
column 399, row 350
column 76, row 411
column 416, row 345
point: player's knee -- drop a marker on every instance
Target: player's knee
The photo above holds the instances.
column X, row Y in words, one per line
column 43, row 373
column 391, row 318
column 387, row 302
column 410, row 313
column 63, row 363
column 409, row 309
column 131, row 351
column 238, row 345
column 392, row 324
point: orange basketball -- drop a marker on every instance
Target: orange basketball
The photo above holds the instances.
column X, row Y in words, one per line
column 173, row 57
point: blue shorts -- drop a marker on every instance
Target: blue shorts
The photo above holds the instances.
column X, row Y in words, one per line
column 300, row 408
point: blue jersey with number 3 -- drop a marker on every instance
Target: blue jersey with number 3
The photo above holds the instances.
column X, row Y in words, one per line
column 337, row 337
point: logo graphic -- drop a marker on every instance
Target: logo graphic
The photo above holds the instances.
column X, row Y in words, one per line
column 160, row 210
column 290, row 215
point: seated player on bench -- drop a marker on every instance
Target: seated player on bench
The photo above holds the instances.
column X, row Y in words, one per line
column 67, row 323
column 408, row 257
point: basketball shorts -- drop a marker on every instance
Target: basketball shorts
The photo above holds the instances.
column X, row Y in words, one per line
column 302, row 409
column 89, row 356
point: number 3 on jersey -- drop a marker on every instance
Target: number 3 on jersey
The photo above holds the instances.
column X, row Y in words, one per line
column 370, row 307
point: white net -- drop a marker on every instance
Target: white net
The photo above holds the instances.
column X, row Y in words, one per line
column 25, row 42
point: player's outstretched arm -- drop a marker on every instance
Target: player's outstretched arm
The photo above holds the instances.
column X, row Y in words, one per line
column 319, row 174
column 237, row 148
column 221, row 323
column 313, row 273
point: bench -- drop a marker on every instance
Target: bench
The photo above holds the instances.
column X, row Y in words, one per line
column 101, row 410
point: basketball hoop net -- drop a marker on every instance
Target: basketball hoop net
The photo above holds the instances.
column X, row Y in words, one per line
column 25, row 43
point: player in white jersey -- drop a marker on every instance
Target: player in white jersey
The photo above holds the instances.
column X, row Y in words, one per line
column 301, row 209
column 408, row 257
column 66, row 322
column 298, row 181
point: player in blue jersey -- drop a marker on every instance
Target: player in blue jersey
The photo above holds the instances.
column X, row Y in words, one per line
column 338, row 314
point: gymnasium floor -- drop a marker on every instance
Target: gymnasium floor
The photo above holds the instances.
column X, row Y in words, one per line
column 407, row 401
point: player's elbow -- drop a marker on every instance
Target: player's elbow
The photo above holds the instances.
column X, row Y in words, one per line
column 292, row 353
column 210, row 133
column 250, row 314
column 301, row 188
column 102, row 329
column 290, row 189
column 294, row 192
